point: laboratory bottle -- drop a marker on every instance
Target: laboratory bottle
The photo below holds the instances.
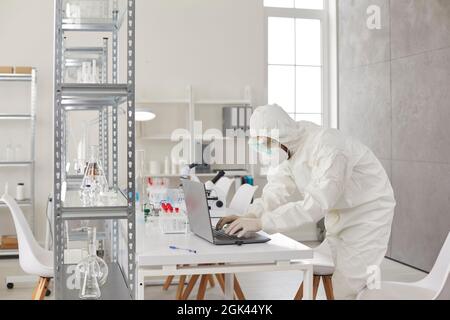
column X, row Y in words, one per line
column 167, row 168
column 10, row 156
column 18, row 153
column 95, row 78
column 20, row 192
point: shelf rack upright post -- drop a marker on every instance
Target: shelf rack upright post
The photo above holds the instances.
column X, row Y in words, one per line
column 92, row 97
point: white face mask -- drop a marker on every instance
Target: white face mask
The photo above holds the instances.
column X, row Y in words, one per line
column 275, row 157
column 272, row 155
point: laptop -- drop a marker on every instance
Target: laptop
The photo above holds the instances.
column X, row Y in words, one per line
column 199, row 217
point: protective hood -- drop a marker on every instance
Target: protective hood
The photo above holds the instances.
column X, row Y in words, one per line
column 273, row 122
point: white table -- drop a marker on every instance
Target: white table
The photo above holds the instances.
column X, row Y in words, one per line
column 155, row 259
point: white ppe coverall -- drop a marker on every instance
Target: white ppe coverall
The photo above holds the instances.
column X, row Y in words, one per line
column 329, row 176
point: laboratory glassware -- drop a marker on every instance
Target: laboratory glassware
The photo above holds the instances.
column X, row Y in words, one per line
column 94, row 182
column 17, row 153
column 90, row 289
column 20, row 192
column 10, row 154
column 92, row 266
column 173, row 222
column 167, row 166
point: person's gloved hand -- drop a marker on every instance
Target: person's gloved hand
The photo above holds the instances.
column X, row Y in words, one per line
column 242, row 226
column 226, row 221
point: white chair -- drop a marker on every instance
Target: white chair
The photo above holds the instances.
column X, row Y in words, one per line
column 33, row 259
column 323, row 270
column 436, row 286
column 243, row 199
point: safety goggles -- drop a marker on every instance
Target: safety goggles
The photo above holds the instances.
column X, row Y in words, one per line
column 262, row 145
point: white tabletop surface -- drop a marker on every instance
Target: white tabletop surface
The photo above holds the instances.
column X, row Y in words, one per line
column 153, row 249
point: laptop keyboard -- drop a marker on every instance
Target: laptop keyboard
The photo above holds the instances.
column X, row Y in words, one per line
column 221, row 235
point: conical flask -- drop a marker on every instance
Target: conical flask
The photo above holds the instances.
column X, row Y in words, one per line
column 100, row 267
column 90, row 289
column 94, row 182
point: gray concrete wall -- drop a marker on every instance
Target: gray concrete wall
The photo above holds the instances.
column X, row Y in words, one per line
column 395, row 97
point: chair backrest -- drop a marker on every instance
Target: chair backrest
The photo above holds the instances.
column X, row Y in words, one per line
column 222, row 188
column 28, row 246
column 438, row 279
column 243, row 199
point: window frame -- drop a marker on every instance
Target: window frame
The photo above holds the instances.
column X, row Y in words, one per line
column 296, row 13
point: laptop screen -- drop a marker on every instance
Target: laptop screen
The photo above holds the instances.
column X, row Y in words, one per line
column 198, row 210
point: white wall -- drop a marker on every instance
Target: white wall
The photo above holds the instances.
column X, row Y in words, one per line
column 26, row 38
column 215, row 45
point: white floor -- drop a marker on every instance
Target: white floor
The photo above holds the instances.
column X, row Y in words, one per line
column 276, row 286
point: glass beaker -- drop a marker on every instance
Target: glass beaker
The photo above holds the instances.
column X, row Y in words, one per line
column 94, row 182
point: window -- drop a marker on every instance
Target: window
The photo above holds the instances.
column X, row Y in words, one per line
column 297, row 59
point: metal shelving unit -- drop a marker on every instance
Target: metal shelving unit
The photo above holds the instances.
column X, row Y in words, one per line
column 16, row 116
column 30, row 164
column 25, row 203
column 17, row 77
column 105, row 97
column 12, row 164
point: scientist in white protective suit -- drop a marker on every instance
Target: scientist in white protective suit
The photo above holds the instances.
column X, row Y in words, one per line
column 319, row 173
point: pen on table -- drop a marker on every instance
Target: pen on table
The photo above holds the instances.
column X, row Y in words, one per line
column 188, row 250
